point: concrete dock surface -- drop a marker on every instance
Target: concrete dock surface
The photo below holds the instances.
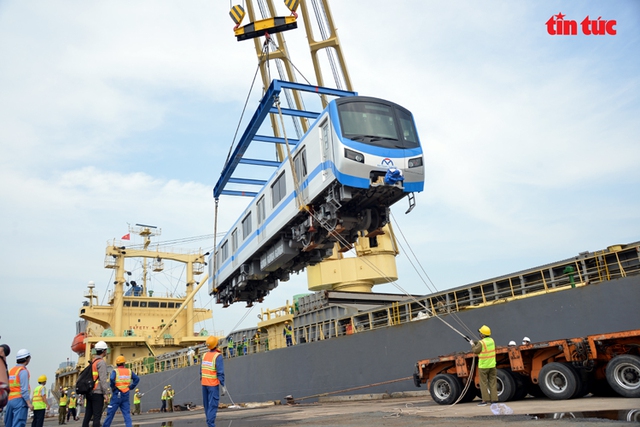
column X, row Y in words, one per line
column 406, row 411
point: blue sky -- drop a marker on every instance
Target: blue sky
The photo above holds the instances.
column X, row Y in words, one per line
column 123, row 112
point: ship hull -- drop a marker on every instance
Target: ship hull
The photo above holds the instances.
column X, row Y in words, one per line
column 390, row 353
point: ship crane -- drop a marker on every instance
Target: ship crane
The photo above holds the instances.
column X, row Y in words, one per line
column 374, row 262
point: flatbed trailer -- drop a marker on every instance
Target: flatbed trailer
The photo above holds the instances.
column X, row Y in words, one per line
column 603, row 364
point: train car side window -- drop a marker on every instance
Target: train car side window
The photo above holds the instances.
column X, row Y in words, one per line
column 278, row 190
column 246, row 226
column 225, row 251
column 234, row 241
column 261, row 210
column 300, row 163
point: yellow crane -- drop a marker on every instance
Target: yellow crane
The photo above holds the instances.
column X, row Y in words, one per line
column 374, row 262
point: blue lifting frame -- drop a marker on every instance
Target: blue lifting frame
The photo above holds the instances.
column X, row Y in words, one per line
column 265, row 107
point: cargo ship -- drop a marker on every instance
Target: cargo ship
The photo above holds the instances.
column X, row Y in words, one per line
column 353, row 342
column 137, row 322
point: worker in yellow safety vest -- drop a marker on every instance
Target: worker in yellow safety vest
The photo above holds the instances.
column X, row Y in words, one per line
column 163, row 408
column 287, row 332
column 62, row 406
column 485, row 348
column 40, row 402
column 212, row 378
column 122, row 380
column 170, row 393
column 136, row 402
column 71, row 407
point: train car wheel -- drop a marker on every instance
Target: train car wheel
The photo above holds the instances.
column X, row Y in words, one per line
column 444, row 389
column 558, row 381
column 623, row 375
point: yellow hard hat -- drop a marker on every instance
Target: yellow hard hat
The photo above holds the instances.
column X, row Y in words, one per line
column 42, row 379
column 120, row 360
column 165, row 387
column 137, row 389
column 212, row 342
column 484, row 330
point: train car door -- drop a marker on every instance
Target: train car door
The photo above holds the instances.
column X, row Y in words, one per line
column 325, row 141
column 300, row 163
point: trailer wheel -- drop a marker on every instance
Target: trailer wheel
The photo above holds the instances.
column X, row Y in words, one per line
column 471, row 391
column 521, row 385
column 444, row 389
column 558, row 381
column 506, row 385
column 623, row 375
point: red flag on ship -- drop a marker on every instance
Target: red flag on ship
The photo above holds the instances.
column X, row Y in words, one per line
column 126, row 237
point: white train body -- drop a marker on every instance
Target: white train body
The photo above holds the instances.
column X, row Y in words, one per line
column 340, row 164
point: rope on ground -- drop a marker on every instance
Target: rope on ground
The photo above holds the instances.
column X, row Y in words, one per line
column 353, row 388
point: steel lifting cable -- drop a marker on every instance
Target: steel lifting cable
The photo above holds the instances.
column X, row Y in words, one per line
column 324, row 35
column 345, row 243
column 296, row 184
column 433, row 287
column 244, row 108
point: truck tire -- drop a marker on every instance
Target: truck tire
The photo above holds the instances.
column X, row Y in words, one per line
column 521, row 385
column 471, row 391
column 583, row 382
column 623, row 375
column 558, row 381
column 506, row 385
column 445, row 389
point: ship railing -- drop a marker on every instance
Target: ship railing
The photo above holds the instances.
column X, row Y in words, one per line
column 583, row 270
column 150, row 365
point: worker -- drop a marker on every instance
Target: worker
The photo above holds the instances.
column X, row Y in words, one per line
column 40, row 402
column 136, row 402
column 95, row 402
column 190, row 356
column 121, row 381
column 485, row 348
column 71, row 407
column 287, row 333
column 245, row 345
column 230, row 345
column 212, row 379
column 4, row 376
column 526, row 341
column 163, row 408
column 63, row 399
column 15, row 413
column 256, row 343
column 170, row 394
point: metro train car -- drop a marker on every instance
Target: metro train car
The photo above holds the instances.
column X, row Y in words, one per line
column 359, row 157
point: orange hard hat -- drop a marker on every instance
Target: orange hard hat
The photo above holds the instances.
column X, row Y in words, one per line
column 212, row 342
column 120, row 360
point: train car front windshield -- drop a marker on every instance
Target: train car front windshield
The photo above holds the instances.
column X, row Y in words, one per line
column 376, row 122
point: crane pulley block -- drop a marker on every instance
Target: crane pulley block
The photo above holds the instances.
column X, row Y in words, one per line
column 266, row 26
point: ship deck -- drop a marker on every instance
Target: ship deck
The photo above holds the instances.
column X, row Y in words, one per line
column 403, row 411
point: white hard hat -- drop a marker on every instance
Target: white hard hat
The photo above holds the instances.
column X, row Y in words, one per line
column 101, row 345
column 512, row 343
column 23, row 353
column 526, row 339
